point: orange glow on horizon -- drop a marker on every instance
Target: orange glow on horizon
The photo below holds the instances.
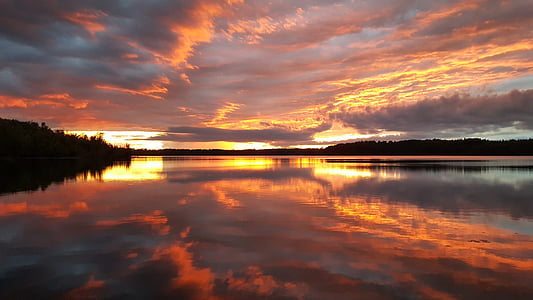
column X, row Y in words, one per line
column 135, row 139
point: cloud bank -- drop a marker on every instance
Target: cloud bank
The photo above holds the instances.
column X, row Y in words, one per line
column 463, row 114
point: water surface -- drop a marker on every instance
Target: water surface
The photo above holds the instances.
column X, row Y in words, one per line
column 272, row 228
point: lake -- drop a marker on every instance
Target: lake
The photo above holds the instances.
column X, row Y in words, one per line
column 269, row 228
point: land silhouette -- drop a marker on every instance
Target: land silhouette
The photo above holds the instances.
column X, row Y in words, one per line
column 472, row 146
column 30, row 140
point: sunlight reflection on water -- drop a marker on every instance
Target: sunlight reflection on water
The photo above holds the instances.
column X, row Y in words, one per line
column 275, row 227
column 147, row 169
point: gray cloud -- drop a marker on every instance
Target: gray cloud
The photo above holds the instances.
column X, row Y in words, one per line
column 271, row 135
column 459, row 113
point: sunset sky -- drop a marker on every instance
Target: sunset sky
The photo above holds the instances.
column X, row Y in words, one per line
column 255, row 74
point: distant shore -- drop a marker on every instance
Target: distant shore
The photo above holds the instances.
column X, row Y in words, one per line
column 458, row 147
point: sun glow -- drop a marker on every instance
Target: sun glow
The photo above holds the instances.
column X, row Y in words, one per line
column 338, row 132
column 135, row 139
column 252, row 145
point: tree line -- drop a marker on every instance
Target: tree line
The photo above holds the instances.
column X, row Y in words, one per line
column 20, row 139
column 471, row 146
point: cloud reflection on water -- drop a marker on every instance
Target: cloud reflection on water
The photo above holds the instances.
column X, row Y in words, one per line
column 240, row 228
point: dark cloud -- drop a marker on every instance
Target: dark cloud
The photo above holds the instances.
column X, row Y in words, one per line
column 270, row 135
column 460, row 113
column 9, row 81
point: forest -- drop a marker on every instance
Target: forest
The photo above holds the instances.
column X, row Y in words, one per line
column 20, row 139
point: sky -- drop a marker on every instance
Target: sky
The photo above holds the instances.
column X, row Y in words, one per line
column 239, row 74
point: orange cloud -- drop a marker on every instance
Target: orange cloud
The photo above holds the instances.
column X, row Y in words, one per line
column 130, row 56
column 13, row 102
column 154, row 90
column 190, row 34
column 53, row 100
column 252, row 31
column 222, row 113
column 88, row 291
column 88, row 19
column 185, row 78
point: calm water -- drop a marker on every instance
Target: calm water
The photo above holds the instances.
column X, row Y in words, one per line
column 271, row 228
